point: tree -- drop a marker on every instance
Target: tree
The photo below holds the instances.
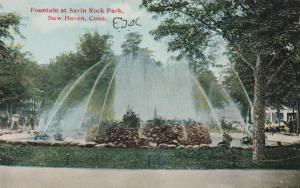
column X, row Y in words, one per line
column 92, row 47
column 131, row 43
column 251, row 32
column 211, row 86
column 67, row 67
column 18, row 72
column 19, row 80
column 9, row 22
column 233, row 81
column 285, row 91
column 131, row 120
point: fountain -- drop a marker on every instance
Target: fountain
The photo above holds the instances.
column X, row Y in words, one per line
column 92, row 92
column 209, row 103
column 60, row 102
column 243, row 87
column 147, row 87
column 246, row 139
column 139, row 83
column 237, row 112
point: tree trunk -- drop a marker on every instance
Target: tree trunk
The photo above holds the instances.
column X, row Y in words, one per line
column 293, row 121
column 259, row 111
column 250, row 118
column 298, row 118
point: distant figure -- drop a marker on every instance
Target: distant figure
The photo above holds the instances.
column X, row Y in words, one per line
column 15, row 121
column 15, row 125
column 31, row 122
column 22, row 122
column 4, row 121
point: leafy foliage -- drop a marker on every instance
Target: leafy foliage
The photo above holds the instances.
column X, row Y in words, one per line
column 131, row 120
column 131, row 43
column 8, row 22
column 258, row 34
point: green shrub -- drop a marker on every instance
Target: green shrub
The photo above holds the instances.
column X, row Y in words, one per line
column 131, row 120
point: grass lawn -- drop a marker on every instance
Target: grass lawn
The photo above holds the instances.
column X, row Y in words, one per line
column 135, row 158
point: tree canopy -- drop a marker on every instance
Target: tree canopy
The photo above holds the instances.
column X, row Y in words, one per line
column 132, row 43
column 8, row 22
column 263, row 35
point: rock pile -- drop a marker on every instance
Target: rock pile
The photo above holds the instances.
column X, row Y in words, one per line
column 164, row 134
column 197, row 135
column 178, row 135
column 126, row 136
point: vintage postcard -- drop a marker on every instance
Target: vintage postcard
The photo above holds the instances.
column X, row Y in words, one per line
column 149, row 93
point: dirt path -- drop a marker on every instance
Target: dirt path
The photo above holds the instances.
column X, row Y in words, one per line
column 25, row 177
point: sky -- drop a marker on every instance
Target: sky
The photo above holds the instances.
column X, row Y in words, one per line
column 46, row 39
